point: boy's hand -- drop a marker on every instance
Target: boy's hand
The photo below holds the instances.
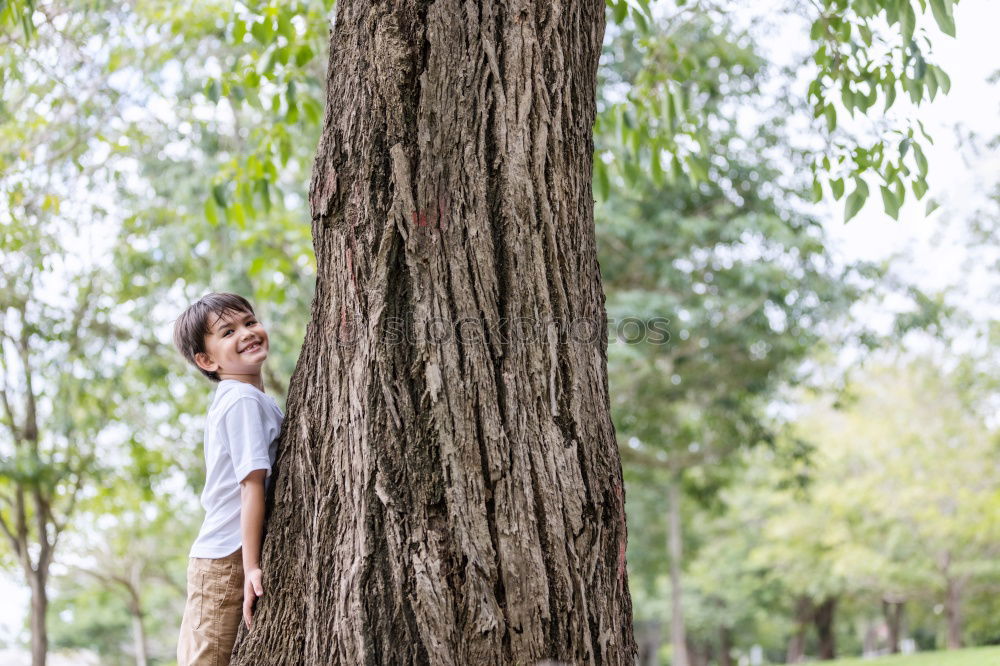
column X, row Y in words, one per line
column 253, row 587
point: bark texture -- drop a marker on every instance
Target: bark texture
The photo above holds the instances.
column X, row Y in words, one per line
column 448, row 486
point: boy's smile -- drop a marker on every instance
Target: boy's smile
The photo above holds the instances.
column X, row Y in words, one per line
column 236, row 347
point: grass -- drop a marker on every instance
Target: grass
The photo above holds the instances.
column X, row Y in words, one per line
column 983, row 656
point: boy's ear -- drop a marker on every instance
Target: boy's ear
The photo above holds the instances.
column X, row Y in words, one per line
column 205, row 362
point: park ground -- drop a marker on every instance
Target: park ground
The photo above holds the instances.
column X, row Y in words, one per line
column 981, row 656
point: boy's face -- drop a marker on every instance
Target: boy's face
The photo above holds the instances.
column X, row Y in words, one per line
column 236, row 344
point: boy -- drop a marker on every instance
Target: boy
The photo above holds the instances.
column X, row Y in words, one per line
column 221, row 336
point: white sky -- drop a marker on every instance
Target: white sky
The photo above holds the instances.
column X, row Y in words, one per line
column 959, row 185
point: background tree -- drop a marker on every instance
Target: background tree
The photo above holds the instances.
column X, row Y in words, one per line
column 127, row 589
column 57, row 403
column 745, row 278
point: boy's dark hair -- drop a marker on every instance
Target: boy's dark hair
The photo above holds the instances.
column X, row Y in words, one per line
column 193, row 325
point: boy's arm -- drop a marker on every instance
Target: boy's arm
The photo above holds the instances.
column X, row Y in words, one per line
column 251, row 527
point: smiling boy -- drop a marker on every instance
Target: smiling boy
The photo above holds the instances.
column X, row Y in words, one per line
column 221, row 336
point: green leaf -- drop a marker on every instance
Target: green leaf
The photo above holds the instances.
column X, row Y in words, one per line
column 676, row 170
column 856, row 199
column 848, row 97
column 907, row 22
column 816, row 32
column 285, row 26
column 921, row 159
column 264, row 188
column 601, row 179
column 260, row 31
column 212, row 91
column 817, row 191
column 640, row 21
column 831, row 117
column 915, row 87
column 932, row 82
column 919, row 188
column 656, row 167
column 633, row 175
column 211, row 211
column 312, row 110
column 942, row 78
column 932, row 206
column 219, row 194
column 284, row 149
column 667, row 109
column 239, row 216
column 837, row 185
column 890, row 95
column 239, row 30
column 620, row 11
column 923, row 131
column 257, row 266
column 943, row 15
column 845, row 32
column 866, row 33
column 303, row 55
column 890, row 203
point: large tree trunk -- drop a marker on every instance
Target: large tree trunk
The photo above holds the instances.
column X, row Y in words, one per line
column 675, row 544
column 824, row 620
column 448, row 486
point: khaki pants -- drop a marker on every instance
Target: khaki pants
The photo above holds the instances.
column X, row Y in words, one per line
column 213, row 611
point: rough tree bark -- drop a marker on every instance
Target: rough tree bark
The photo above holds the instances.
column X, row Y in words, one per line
column 448, row 488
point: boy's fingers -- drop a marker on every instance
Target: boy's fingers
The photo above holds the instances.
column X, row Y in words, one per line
column 247, row 610
column 258, row 588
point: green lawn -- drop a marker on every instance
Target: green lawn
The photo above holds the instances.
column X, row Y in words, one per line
column 987, row 656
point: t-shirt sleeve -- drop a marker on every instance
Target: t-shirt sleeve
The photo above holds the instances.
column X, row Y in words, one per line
column 246, row 436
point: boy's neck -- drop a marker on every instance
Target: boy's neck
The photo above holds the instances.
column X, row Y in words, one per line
column 254, row 380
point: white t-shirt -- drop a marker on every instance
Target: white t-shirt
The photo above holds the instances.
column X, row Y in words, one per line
column 241, row 434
